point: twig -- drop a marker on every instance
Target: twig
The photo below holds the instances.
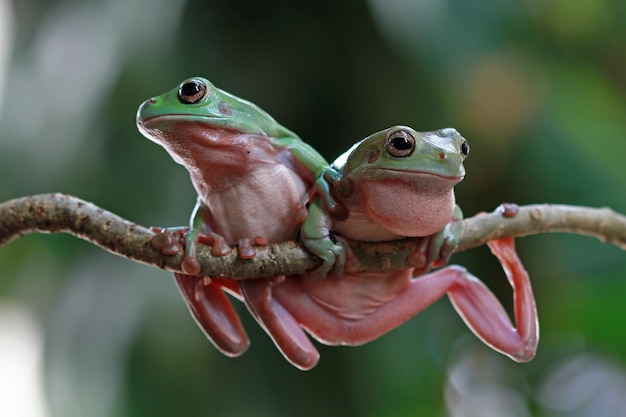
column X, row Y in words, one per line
column 59, row 213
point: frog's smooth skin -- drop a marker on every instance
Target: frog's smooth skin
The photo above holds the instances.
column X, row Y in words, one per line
column 396, row 183
column 252, row 177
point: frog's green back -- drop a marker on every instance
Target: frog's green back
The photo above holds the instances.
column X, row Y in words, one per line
column 252, row 116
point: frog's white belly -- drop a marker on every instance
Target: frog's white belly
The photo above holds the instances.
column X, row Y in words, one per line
column 266, row 203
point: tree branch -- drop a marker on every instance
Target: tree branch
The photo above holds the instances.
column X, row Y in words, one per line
column 59, row 213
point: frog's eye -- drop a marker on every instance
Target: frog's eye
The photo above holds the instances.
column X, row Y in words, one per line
column 400, row 144
column 464, row 149
column 191, row 92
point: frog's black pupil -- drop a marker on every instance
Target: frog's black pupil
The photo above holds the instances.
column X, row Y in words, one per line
column 464, row 149
column 401, row 143
column 190, row 89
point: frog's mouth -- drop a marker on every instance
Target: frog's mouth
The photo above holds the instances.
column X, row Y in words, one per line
column 416, row 175
column 149, row 114
column 220, row 121
column 216, row 122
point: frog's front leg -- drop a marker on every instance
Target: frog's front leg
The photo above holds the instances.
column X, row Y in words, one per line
column 170, row 240
column 308, row 163
column 198, row 232
column 279, row 323
column 315, row 235
column 435, row 250
column 213, row 311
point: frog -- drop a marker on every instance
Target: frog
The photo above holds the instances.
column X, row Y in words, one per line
column 395, row 183
column 253, row 178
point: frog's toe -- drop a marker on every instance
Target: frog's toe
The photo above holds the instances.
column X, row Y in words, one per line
column 340, row 264
column 334, row 261
column 260, row 241
column 190, row 265
column 245, row 249
column 416, row 259
column 444, row 255
column 218, row 244
column 340, row 250
column 328, row 251
column 166, row 241
column 420, row 257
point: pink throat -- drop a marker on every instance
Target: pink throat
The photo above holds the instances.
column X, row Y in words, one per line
column 409, row 209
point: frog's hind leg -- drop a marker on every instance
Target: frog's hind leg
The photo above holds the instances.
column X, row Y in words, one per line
column 487, row 318
column 278, row 323
column 213, row 311
column 475, row 303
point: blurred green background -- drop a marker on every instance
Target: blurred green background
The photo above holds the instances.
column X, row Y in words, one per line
column 538, row 87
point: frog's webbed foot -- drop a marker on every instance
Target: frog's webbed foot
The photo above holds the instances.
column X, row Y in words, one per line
column 200, row 232
column 316, row 236
column 218, row 244
column 435, row 250
column 431, row 251
column 245, row 249
column 332, row 250
column 168, row 240
column 213, row 311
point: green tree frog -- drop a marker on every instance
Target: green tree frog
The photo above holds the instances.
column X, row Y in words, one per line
column 253, row 178
column 396, row 183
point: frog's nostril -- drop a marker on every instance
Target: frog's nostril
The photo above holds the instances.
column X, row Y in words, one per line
column 151, row 101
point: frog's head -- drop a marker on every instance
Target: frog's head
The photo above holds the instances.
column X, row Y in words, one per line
column 203, row 127
column 401, row 152
column 404, row 178
column 197, row 102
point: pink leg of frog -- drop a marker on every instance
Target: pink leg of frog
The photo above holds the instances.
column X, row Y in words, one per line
column 205, row 297
column 358, row 308
column 210, row 306
column 213, row 311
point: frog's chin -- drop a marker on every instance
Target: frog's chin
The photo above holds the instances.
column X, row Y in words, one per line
column 408, row 209
column 198, row 135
